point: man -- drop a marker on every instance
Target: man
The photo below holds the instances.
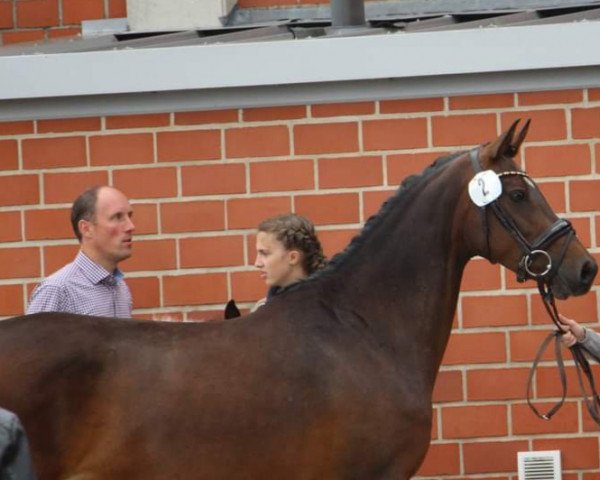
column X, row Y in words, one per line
column 15, row 459
column 92, row 284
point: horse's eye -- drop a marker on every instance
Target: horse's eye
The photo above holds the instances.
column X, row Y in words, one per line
column 517, row 195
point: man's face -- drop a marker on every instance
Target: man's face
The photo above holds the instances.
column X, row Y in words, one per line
column 107, row 238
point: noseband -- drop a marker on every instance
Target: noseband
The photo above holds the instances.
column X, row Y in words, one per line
column 531, row 251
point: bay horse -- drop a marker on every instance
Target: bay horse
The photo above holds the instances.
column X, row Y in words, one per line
column 332, row 379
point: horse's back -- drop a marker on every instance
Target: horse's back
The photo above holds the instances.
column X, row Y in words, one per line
column 124, row 399
column 62, row 374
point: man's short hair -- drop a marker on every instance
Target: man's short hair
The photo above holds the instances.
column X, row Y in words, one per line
column 84, row 208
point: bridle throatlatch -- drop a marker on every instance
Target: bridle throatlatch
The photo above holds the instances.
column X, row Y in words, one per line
column 533, row 253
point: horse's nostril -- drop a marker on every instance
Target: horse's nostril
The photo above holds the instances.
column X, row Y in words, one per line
column 588, row 272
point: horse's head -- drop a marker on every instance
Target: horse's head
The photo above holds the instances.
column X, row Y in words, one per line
column 515, row 225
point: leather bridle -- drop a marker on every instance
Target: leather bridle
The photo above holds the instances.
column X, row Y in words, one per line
column 543, row 277
column 531, row 250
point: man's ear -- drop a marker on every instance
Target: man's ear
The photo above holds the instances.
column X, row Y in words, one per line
column 84, row 227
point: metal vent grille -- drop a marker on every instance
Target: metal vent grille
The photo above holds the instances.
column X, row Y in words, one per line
column 539, row 465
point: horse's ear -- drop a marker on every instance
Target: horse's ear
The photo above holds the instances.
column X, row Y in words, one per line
column 231, row 310
column 516, row 143
column 503, row 145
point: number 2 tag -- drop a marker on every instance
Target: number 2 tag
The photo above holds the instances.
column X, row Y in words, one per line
column 485, row 187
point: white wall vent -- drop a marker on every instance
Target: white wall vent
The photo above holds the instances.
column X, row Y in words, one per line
column 539, row 465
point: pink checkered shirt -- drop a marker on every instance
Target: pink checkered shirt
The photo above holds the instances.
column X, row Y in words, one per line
column 83, row 287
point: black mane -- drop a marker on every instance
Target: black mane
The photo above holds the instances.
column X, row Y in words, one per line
column 401, row 194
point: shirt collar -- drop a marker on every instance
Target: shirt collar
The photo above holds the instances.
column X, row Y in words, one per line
column 96, row 273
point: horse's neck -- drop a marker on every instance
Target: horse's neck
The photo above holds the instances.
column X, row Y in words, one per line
column 405, row 277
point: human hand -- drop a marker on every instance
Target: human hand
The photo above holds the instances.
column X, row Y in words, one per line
column 573, row 331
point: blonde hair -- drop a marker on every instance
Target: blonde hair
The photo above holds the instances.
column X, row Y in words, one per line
column 296, row 232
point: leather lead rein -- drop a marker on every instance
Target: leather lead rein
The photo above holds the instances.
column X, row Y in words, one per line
column 558, row 229
column 582, row 366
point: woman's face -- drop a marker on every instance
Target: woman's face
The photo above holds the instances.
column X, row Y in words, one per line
column 278, row 266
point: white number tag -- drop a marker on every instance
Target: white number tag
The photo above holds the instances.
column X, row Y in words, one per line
column 485, row 187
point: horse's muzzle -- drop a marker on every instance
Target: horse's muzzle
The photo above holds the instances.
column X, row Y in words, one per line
column 579, row 283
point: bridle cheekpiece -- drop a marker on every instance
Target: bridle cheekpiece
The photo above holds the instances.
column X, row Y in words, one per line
column 531, row 250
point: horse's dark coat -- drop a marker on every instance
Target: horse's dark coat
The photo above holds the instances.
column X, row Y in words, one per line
column 331, row 380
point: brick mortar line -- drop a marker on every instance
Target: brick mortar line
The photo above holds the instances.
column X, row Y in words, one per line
column 246, row 232
column 350, row 118
column 201, row 127
column 516, row 437
column 185, row 163
column 442, row 150
column 183, row 235
column 591, row 215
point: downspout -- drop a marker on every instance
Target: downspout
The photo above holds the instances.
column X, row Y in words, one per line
column 347, row 13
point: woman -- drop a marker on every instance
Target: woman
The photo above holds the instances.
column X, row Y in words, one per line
column 287, row 251
column 575, row 333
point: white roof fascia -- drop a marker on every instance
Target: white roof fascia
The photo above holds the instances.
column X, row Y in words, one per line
column 301, row 94
column 301, row 61
column 253, row 67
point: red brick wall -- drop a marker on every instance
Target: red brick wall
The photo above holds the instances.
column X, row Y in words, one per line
column 201, row 181
column 34, row 20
